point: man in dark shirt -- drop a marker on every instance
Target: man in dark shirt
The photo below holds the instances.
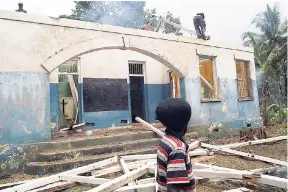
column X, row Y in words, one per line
column 20, row 8
column 200, row 25
column 174, row 168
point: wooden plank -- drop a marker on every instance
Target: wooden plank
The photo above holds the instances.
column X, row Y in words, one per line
column 242, row 189
column 199, row 152
column 178, row 26
column 146, row 181
column 264, row 179
column 58, row 185
column 7, row 185
column 34, row 184
column 126, row 170
column 194, row 145
column 248, row 143
column 74, row 93
column 149, row 187
column 274, row 181
column 265, row 170
column 122, row 180
column 256, row 157
column 83, row 179
column 139, row 157
column 101, row 172
column 92, row 166
column 160, row 133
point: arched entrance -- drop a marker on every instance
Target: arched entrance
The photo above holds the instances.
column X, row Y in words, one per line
column 113, row 43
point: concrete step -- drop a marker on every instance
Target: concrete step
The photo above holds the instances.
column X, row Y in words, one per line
column 87, row 141
column 97, row 150
column 42, row 168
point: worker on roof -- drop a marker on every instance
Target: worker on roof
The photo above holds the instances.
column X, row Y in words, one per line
column 174, row 168
column 200, row 26
column 148, row 26
column 20, row 8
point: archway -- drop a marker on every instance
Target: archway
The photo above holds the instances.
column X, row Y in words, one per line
column 108, row 43
column 115, row 42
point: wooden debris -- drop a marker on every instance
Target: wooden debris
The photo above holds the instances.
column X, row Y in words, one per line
column 239, row 190
column 122, row 180
column 248, row 143
column 126, row 170
column 134, row 166
column 239, row 153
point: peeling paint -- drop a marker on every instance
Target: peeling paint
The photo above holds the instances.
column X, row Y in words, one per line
column 53, row 125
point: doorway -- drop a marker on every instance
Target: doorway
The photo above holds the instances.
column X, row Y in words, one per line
column 68, row 93
column 137, row 91
column 174, row 85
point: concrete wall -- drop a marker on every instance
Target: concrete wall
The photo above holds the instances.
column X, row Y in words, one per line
column 113, row 64
column 29, row 108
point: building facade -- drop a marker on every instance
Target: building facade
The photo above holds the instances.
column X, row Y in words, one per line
column 62, row 71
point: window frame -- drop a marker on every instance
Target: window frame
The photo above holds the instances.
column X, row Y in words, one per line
column 176, row 85
column 249, row 80
column 215, row 79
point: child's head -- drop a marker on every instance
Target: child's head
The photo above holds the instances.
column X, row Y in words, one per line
column 174, row 114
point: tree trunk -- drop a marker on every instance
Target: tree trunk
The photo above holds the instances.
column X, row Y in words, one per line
column 265, row 100
column 279, row 99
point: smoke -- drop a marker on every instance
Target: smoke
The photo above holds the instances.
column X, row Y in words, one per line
column 117, row 13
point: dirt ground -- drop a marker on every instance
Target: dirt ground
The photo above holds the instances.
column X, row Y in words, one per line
column 276, row 150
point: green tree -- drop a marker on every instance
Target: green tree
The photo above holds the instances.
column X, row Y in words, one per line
column 270, row 50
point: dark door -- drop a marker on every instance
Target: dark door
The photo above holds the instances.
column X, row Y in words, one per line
column 137, row 97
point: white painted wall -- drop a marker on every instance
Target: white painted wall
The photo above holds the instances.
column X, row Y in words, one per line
column 43, row 38
column 114, row 64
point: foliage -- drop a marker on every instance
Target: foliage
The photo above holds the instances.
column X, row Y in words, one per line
column 130, row 14
column 277, row 114
column 270, row 51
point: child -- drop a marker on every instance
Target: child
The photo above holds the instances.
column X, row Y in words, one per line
column 174, row 169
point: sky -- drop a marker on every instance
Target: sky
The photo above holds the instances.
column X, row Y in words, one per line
column 226, row 20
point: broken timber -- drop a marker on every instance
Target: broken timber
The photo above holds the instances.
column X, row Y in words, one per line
column 147, row 163
column 238, row 190
column 122, row 180
column 248, row 143
column 240, row 153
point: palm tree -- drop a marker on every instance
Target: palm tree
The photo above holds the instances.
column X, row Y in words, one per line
column 270, row 48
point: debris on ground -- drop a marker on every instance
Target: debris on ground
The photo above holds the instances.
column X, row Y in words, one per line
column 227, row 169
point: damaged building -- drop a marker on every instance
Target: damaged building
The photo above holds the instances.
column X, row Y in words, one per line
column 59, row 72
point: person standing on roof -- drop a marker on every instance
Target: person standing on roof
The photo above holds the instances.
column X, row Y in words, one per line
column 20, row 8
column 200, row 26
column 174, row 168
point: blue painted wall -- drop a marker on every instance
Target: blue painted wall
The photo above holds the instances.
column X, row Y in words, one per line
column 235, row 113
column 154, row 93
column 229, row 109
column 54, row 108
column 24, row 107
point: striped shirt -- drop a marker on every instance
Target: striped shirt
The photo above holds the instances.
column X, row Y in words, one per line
column 174, row 166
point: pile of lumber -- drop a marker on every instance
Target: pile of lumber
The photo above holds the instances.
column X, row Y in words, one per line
column 134, row 167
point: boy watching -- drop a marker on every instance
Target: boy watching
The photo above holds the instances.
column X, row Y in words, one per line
column 174, row 169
